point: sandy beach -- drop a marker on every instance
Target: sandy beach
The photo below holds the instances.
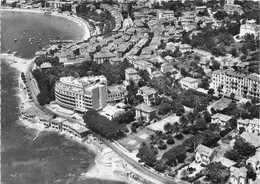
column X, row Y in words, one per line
column 79, row 21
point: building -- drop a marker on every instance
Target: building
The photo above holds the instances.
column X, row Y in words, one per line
column 251, row 138
column 81, row 94
column 230, row 7
column 101, row 57
column 189, row 83
column 251, row 126
column 131, row 73
column 145, row 112
column 56, row 124
column 75, row 129
column 111, row 112
column 238, row 175
column 44, row 120
column 167, row 14
column 221, row 119
column 250, row 27
column 116, row 93
column 242, row 85
column 148, row 94
column 204, row 154
column 255, row 162
column 166, row 67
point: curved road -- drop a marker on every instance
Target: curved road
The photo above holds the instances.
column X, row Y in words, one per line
column 115, row 148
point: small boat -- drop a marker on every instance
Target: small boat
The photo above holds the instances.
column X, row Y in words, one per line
column 14, row 53
column 15, row 39
column 8, row 51
column 24, row 33
column 21, row 37
column 30, row 40
column 33, row 38
column 30, row 43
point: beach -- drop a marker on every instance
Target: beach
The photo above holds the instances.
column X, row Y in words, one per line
column 96, row 171
column 79, row 21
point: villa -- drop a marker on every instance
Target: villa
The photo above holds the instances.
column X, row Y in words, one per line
column 189, row 83
column 250, row 27
column 204, row 154
column 238, row 175
column 56, row 124
column 148, row 94
column 116, row 93
column 111, row 112
column 221, row 119
column 251, row 126
column 131, row 73
column 146, row 112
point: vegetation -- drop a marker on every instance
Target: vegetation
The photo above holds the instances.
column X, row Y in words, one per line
column 100, row 124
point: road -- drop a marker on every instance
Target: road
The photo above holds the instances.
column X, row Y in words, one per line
column 115, row 148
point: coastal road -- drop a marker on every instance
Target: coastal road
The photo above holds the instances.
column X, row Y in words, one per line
column 140, row 168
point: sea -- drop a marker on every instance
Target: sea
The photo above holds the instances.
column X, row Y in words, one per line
column 51, row 158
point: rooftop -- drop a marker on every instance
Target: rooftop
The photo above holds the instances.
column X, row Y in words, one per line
column 147, row 90
column 189, row 79
column 131, row 71
column 222, row 117
column 251, row 138
column 204, row 150
column 145, row 108
column 238, row 172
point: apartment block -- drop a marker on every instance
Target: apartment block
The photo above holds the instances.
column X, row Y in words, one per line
column 241, row 84
column 83, row 93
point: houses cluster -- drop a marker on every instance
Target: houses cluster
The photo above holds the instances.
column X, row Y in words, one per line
column 77, row 130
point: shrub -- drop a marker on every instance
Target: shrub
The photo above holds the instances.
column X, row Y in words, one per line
column 179, row 136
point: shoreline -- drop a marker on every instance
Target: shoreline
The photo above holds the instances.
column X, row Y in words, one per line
column 79, row 21
column 96, row 170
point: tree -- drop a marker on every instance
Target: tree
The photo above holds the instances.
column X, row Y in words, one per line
column 244, row 148
column 211, row 92
column 233, row 52
column 162, row 145
column 232, row 155
column 170, row 140
column 250, row 172
column 232, row 96
column 207, row 116
column 217, row 173
column 184, row 174
column 167, row 128
column 153, row 139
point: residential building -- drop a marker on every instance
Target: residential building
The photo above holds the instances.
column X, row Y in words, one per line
column 204, row 154
column 251, row 138
column 81, row 94
column 148, row 94
column 145, row 112
column 224, row 161
column 221, row 119
column 238, row 175
column 101, row 57
column 75, row 129
column 166, row 67
column 251, row 126
column 189, row 83
column 116, row 93
column 255, row 162
column 242, row 85
column 111, row 112
column 131, row 73
column 200, row 8
column 44, row 120
column 250, row 27
column 230, row 7
column 166, row 14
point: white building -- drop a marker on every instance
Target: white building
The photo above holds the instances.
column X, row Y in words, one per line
column 220, row 119
column 242, row 85
column 111, row 112
column 251, row 126
column 148, row 94
column 250, row 27
column 131, row 73
column 204, row 154
column 189, row 83
column 83, row 93
column 116, row 93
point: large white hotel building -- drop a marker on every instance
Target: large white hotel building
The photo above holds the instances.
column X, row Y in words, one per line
column 83, row 93
column 242, row 85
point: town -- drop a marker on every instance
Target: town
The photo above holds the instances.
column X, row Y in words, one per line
column 175, row 85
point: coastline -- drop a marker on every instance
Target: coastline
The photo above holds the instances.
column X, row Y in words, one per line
column 95, row 171
column 79, row 21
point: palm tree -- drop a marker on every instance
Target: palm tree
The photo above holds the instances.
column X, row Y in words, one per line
column 167, row 127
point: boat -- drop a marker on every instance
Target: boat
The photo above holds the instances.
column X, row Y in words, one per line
column 30, row 40
column 24, row 33
column 15, row 39
column 33, row 38
column 14, row 53
column 30, row 43
column 21, row 37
